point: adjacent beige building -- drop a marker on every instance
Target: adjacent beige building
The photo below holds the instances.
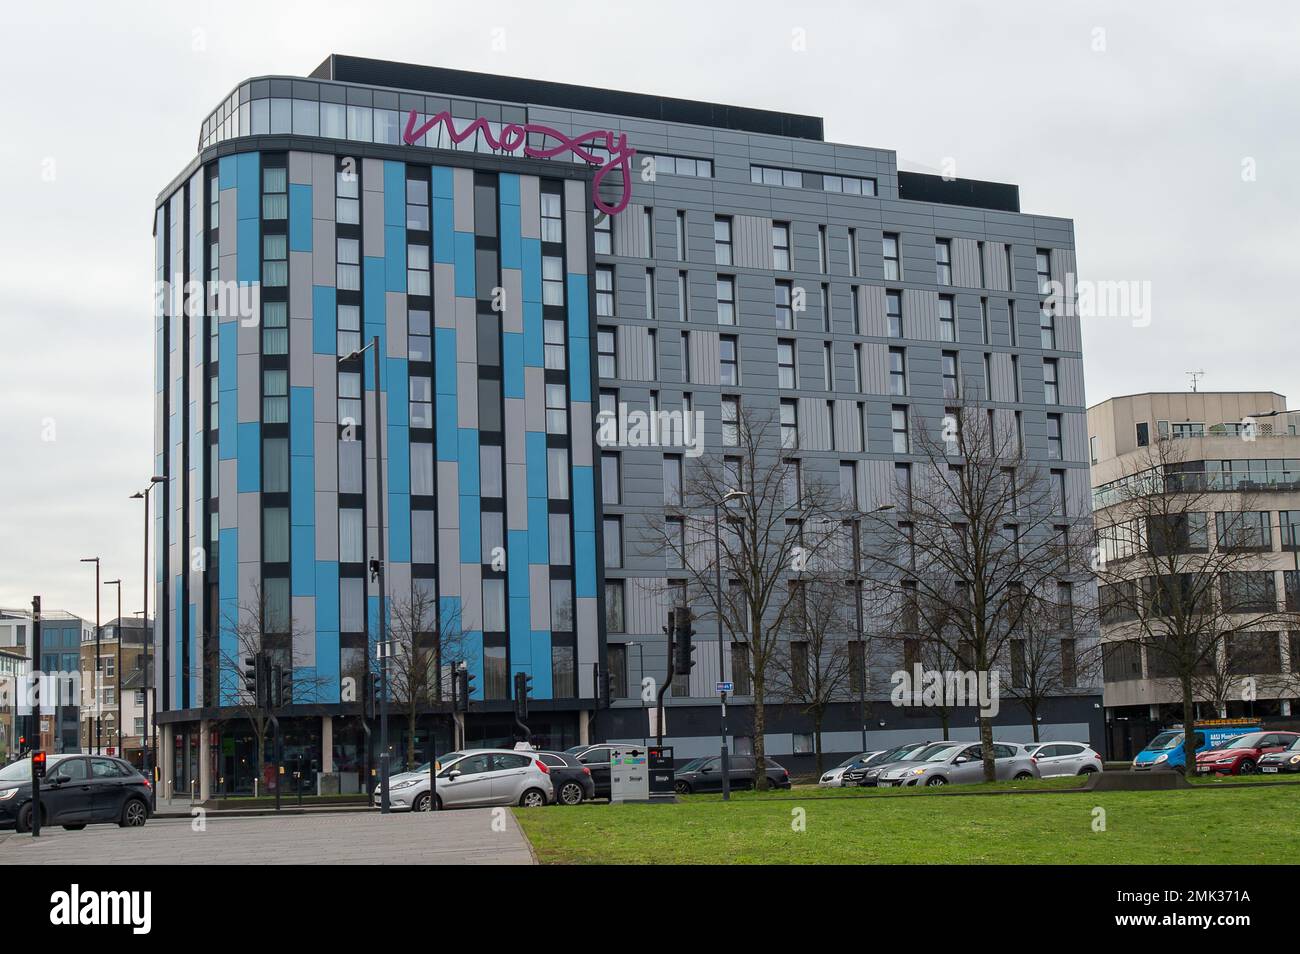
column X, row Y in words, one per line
column 1244, row 443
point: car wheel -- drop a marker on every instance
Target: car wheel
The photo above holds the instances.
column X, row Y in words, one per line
column 74, row 827
column 134, row 813
column 439, row 803
column 570, row 794
column 682, row 788
column 1022, row 776
column 934, row 780
column 1247, row 767
column 24, row 822
column 533, row 798
column 1087, row 770
column 422, row 803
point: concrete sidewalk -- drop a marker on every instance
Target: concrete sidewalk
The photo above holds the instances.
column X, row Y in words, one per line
column 477, row 836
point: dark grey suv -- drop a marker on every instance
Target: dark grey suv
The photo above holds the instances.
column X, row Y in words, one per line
column 77, row 790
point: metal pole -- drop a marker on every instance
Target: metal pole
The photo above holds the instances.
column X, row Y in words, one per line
column 148, row 654
column 99, row 699
column 722, row 718
column 383, row 628
column 862, row 649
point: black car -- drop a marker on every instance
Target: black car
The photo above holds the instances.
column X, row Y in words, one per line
column 596, row 758
column 705, row 774
column 1288, row 760
column 77, row 790
column 865, row 774
column 572, row 780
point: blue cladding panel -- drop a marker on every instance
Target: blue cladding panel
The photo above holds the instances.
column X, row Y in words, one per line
column 398, row 451
column 445, row 409
column 299, row 218
column 518, row 633
column 302, row 568
column 395, row 258
column 584, row 510
column 465, row 264
column 324, row 320
column 374, row 314
column 540, row 645
column 444, row 361
column 469, row 530
column 248, row 257
column 469, row 476
column 512, row 357
column 302, row 510
column 509, row 186
column 584, row 536
column 539, row 533
column 579, row 324
column 535, row 450
column 580, row 371
column 399, row 528
column 302, row 436
column 444, row 215
column 532, row 269
column 248, row 174
column 517, row 566
column 250, row 458
column 395, row 194
column 399, row 406
column 226, row 172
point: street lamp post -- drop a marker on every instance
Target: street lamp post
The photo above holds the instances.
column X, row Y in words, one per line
column 377, row 571
column 150, row 690
column 725, row 753
column 640, row 668
column 117, row 666
column 857, row 608
column 95, row 669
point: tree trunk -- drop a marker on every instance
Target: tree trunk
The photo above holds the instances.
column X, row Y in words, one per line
column 943, row 722
column 1189, row 730
column 410, row 739
column 1033, row 722
column 986, row 748
column 760, row 767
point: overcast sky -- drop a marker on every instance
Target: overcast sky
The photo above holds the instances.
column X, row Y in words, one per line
column 1142, row 122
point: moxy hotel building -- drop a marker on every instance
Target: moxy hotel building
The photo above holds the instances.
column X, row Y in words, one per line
column 522, row 271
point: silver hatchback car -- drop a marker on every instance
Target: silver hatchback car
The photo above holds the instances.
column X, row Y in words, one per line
column 955, row 763
column 476, row 777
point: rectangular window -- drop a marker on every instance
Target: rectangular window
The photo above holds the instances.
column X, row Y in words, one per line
column 1054, row 437
column 275, row 327
column 898, row 423
column 552, row 280
column 672, row 480
column 722, row 240
column 604, row 291
column 893, row 266
column 1047, row 328
column 275, row 397
column 612, row 530
column 849, row 484
column 894, row 313
column 943, row 261
column 686, row 356
column 561, row 553
column 1043, row 268
column 557, row 409
column 683, row 298
column 821, row 249
column 553, row 218
column 730, row 421
column 275, row 194
column 853, row 252
column 681, row 235
column 553, row 338
column 784, row 295
column 562, row 606
column 611, row 479
column 348, row 272
column 275, row 261
column 897, row 372
column 606, row 353
column 828, row 365
column 781, row 246
column 726, row 300
column 947, row 319
column 789, row 424
column 557, row 473
column 951, row 381
column 351, row 536
column 785, row 367
column 421, row 392
column 349, row 329
column 604, row 233
column 417, row 269
column 650, row 311
column 1051, row 393
column 347, row 202
column 728, row 361
column 494, row 606
column 275, row 465
column 614, row 612
column 417, row 205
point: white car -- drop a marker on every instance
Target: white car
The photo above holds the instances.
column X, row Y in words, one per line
column 835, row 777
column 475, row 777
column 1065, row 758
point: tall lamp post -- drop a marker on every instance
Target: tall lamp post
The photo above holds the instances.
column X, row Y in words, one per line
column 377, row 572
column 857, row 607
column 95, row 669
column 117, row 667
column 729, row 496
column 150, row 685
column 640, row 668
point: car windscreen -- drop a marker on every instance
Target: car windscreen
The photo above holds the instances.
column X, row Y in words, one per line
column 851, row 760
column 20, row 771
column 1250, row 741
column 904, row 752
column 693, row 765
column 1165, row 740
column 938, row 753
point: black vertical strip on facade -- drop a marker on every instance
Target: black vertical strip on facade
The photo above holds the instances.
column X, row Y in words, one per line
column 352, row 501
column 597, row 491
column 182, row 416
column 164, row 534
column 280, row 643
column 210, row 544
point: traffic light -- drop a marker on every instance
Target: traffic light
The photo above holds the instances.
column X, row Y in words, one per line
column 38, row 764
column 284, row 684
column 372, row 694
column 463, row 686
column 683, row 651
column 523, row 687
column 257, row 679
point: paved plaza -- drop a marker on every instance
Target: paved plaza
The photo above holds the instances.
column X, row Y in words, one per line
column 470, row 836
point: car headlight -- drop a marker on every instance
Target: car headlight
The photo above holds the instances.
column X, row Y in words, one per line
column 1295, row 760
column 1224, row 761
column 1162, row 758
column 11, row 792
column 405, row 783
column 918, row 771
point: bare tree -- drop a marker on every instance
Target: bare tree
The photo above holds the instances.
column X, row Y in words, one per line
column 1182, row 574
column 813, row 666
column 975, row 531
column 773, row 528
column 424, row 643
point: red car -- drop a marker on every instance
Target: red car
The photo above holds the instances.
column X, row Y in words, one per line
column 1240, row 755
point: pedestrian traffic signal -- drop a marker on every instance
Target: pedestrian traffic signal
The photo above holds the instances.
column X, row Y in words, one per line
column 372, row 694
column 462, row 688
column 683, row 651
column 285, row 684
column 257, row 679
column 523, row 688
column 602, row 687
column 38, row 764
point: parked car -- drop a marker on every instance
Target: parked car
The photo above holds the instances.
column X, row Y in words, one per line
column 705, row 774
column 949, row 763
column 869, row 773
column 835, row 777
column 77, row 790
column 1286, row 760
column 1065, row 758
column 596, row 758
column 1240, row 755
column 1165, row 751
column 476, row 777
column 571, row 779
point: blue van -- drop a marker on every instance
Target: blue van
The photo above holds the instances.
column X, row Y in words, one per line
column 1166, row 749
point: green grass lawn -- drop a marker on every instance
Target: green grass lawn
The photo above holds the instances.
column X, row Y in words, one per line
column 857, row 826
